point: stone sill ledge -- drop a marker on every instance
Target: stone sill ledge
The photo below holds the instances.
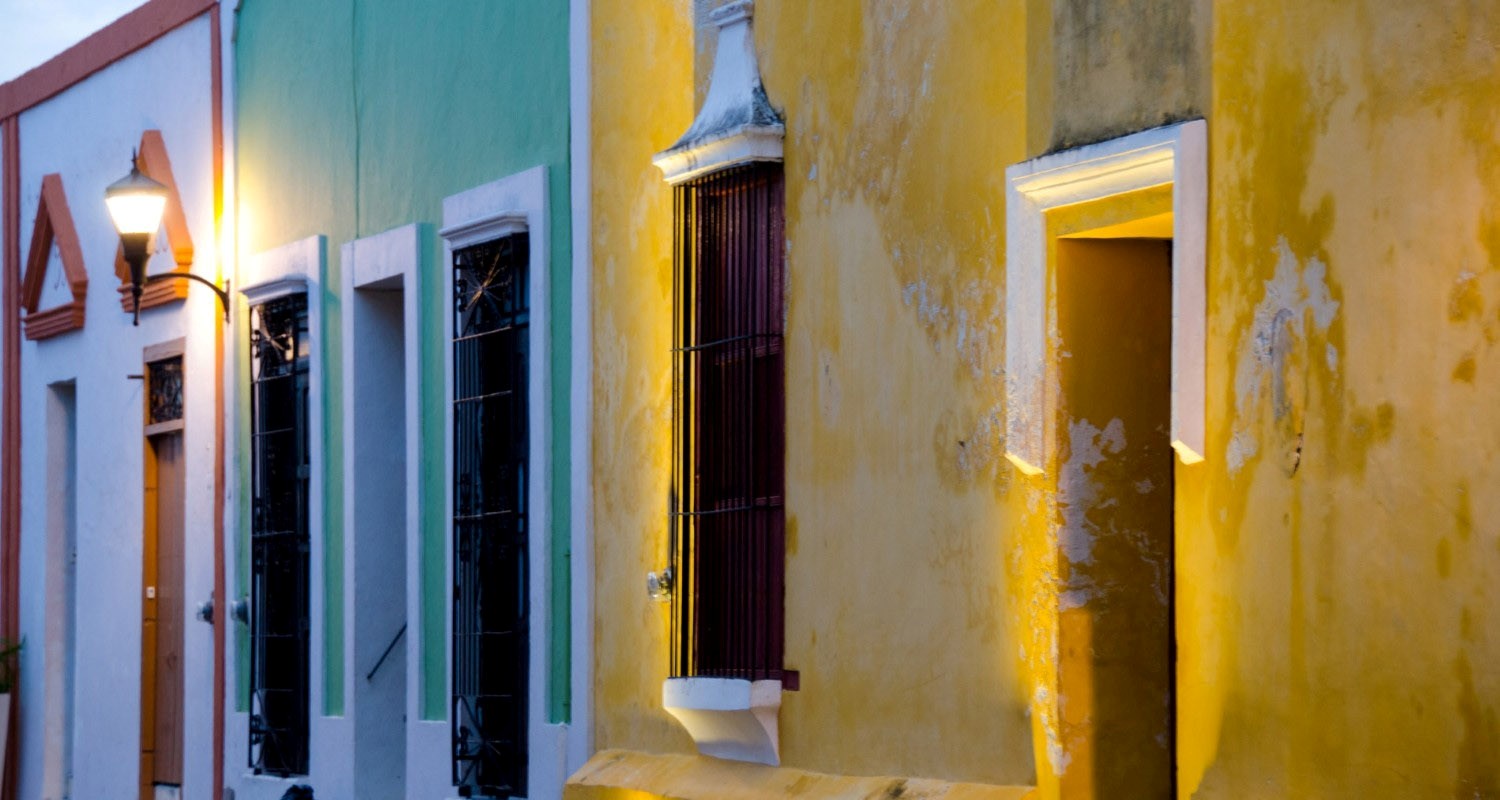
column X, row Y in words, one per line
column 728, row 718
column 630, row 775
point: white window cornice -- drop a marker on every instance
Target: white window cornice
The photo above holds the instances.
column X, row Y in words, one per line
column 292, row 267
column 736, row 124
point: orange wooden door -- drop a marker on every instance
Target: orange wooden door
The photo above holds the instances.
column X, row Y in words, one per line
column 164, row 614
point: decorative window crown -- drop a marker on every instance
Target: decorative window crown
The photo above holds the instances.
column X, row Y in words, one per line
column 737, row 124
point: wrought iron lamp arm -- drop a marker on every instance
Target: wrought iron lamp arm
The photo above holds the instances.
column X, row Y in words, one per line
column 223, row 293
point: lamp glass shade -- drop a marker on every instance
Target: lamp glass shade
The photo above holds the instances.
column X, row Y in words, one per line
column 136, row 203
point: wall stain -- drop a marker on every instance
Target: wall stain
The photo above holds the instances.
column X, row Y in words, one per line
column 1465, row 369
column 1463, row 513
column 1479, row 752
column 1465, row 301
column 1126, row 65
column 1385, row 421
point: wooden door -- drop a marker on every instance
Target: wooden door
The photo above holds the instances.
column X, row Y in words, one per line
column 164, row 615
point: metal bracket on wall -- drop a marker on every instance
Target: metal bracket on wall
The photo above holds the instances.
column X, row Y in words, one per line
column 223, row 293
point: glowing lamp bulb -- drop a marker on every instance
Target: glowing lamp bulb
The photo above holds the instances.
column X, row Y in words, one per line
column 136, row 203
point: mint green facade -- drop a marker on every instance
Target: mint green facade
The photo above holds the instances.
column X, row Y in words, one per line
column 358, row 116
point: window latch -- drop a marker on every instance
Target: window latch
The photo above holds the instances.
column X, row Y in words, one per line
column 659, row 584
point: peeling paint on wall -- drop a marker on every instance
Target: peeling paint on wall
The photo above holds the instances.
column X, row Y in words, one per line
column 1076, row 494
column 1296, row 302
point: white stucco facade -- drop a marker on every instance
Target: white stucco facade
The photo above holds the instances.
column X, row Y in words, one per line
column 82, row 379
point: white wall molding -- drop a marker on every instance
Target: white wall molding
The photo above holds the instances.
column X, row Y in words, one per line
column 581, row 408
column 376, row 260
column 500, row 208
column 1176, row 155
column 291, row 268
column 482, row 227
column 740, row 146
column 384, row 265
column 737, row 124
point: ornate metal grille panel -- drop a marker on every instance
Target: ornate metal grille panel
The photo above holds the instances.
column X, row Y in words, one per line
column 279, row 536
column 729, row 433
column 490, row 470
column 165, row 402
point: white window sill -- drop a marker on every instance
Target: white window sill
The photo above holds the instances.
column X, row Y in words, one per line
column 727, row 717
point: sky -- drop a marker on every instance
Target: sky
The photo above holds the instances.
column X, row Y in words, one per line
column 32, row 31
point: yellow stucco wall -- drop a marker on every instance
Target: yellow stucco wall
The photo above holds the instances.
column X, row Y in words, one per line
column 1339, row 554
column 642, row 98
column 893, row 372
column 1335, row 552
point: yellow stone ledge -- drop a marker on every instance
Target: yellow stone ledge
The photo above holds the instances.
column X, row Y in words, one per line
column 629, row 775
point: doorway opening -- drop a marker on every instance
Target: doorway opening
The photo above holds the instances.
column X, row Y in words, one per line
column 1104, row 360
column 376, row 461
column 61, row 600
column 163, row 604
column 1115, row 495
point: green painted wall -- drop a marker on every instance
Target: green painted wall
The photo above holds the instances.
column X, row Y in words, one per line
column 358, row 116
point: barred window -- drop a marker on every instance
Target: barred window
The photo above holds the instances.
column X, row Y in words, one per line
column 279, row 536
column 728, row 519
column 490, row 535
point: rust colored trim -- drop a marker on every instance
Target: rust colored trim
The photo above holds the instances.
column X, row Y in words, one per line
column 108, row 45
column 10, row 417
column 36, row 258
column 221, row 594
column 54, row 321
column 154, row 294
column 54, row 223
column 155, row 164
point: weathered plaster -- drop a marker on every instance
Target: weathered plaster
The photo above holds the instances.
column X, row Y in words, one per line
column 1120, row 66
column 1327, row 615
column 1333, row 587
column 893, row 376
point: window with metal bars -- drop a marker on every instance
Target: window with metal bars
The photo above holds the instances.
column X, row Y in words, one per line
column 729, row 432
column 279, row 350
column 490, row 470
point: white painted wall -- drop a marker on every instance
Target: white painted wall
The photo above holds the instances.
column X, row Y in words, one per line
column 86, row 134
column 55, row 289
column 581, row 404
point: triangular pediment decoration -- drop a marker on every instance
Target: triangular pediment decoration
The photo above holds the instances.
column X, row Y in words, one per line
column 152, row 161
column 53, row 226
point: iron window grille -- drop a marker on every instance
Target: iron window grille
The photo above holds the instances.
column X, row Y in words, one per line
column 280, row 467
column 490, row 536
column 164, row 400
column 728, row 441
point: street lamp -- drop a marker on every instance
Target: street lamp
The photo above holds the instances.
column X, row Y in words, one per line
column 136, row 203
